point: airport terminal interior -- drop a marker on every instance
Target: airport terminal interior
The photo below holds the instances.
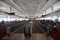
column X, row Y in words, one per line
column 29, row 19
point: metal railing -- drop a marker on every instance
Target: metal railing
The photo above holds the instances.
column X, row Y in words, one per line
column 8, row 29
column 39, row 27
column 47, row 30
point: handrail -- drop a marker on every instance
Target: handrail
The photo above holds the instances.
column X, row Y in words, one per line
column 18, row 29
column 48, row 28
column 16, row 25
column 41, row 28
column 8, row 29
column 44, row 25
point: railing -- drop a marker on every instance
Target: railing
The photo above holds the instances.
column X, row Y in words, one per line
column 9, row 29
column 39, row 27
column 44, row 28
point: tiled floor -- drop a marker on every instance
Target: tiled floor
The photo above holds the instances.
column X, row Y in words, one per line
column 33, row 37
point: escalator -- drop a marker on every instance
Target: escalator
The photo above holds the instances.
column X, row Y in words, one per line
column 35, row 28
column 37, row 33
column 45, row 27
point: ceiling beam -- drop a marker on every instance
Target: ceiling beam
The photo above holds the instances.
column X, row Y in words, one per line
column 12, row 4
column 49, row 4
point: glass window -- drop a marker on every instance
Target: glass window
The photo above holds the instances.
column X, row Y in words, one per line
column 58, row 19
column 49, row 10
column 3, row 16
column 44, row 13
column 56, row 6
column 4, row 7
